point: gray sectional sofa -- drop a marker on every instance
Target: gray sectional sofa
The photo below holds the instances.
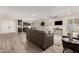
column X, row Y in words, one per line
column 40, row 38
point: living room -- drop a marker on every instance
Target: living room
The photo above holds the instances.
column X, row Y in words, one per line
column 38, row 29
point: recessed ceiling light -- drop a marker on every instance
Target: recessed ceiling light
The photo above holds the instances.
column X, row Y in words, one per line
column 34, row 15
column 68, row 13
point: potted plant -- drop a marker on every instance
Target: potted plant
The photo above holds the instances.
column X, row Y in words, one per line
column 42, row 24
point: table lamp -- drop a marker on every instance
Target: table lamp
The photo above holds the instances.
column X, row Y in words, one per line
column 71, row 28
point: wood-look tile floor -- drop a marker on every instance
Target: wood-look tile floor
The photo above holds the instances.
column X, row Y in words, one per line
column 17, row 43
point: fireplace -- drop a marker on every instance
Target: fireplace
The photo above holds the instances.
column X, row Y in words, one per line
column 58, row 31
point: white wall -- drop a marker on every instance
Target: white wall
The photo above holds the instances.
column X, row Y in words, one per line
column 8, row 26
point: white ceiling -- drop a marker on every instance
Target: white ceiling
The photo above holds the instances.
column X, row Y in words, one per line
column 38, row 12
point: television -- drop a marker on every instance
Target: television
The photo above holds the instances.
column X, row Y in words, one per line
column 58, row 22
